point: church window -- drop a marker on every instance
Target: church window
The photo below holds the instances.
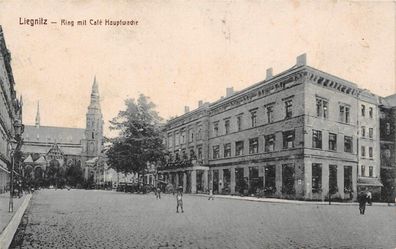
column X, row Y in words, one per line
column 93, row 135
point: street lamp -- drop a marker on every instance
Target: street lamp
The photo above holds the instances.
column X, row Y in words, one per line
column 18, row 128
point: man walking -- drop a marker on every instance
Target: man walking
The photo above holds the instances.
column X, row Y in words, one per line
column 362, row 198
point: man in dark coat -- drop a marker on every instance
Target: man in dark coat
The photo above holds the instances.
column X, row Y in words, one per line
column 362, row 198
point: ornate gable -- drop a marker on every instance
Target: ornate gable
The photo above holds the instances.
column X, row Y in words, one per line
column 55, row 153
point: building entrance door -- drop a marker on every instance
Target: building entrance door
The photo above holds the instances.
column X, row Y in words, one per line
column 270, row 184
column 226, row 181
column 255, row 181
column 348, row 182
column 239, row 181
column 216, row 181
column 188, row 183
column 199, row 180
column 333, row 179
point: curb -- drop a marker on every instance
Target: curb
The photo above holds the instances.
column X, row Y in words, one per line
column 8, row 233
column 282, row 201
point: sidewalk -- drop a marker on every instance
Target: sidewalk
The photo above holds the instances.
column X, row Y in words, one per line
column 275, row 200
column 9, row 222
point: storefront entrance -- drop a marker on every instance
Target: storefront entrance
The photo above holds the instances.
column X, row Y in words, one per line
column 255, row 182
column 270, row 183
column 226, row 182
column 216, row 181
column 240, row 183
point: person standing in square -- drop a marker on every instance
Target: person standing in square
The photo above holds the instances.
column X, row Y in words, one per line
column 179, row 200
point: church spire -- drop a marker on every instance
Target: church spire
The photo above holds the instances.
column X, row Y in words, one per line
column 95, row 90
column 95, row 102
column 38, row 114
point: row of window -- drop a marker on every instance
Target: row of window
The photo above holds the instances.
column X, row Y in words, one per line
column 317, row 178
column 288, row 142
column 181, row 136
column 363, row 111
column 363, row 171
column 322, row 106
column 321, row 111
column 253, row 118
column 370, row 134
column 363, row 151
column 317, row 142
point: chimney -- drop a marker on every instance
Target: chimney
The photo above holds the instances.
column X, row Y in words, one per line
column 269, row 73
column 229, row 91
column 186, row 109
column 302, row 60
column 200, row 103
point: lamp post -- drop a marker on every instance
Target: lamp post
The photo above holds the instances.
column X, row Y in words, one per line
column 18, row 128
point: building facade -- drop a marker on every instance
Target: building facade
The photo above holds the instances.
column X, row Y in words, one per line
column 387, row 144
column 52, row 150
column 10, row 111
column 299, row 134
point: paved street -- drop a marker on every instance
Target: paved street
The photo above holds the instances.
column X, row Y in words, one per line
column 100, row 219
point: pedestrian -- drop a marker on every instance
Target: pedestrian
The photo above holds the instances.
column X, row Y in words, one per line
column 211, row 194
column 369, row 197
column 179, row 199
column 158, row 193
column 362, row 198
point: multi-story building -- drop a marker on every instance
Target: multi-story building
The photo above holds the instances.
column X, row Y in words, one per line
column 387, row 143
column 10, row 111
column 186, row 140
column 294, row 135
column 369, row 143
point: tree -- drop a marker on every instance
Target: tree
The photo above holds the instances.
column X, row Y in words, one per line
column 139, row 140
column 74, row 174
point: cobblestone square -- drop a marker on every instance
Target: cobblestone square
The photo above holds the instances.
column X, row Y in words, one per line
column 104, row 219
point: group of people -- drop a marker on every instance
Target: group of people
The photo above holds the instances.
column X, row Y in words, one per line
column 363, row 198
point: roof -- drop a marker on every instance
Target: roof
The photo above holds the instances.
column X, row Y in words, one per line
column 369, row 182
column 390, row 100
column 41, row 160
column 51, row 134
column 28, row 160
column 42, row 148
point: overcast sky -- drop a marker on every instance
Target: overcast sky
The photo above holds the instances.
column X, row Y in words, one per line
column 185, row 51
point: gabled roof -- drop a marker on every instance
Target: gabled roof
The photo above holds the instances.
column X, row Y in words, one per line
column 41, row 160
column 55, row 150
column 52, row 134
column 28, row 159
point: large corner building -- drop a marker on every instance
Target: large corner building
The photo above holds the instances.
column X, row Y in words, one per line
column 300, row 134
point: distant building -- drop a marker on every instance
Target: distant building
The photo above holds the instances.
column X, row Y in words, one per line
column 387, row 143
column 10, row 110
column 300, row 134
column 47, row 147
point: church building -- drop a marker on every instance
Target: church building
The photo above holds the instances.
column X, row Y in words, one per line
column 47, row 147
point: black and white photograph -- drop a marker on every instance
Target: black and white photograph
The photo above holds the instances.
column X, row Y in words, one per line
column 197, row 124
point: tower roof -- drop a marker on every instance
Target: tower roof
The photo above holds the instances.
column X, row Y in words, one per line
column 95, row 89
column 38, row 114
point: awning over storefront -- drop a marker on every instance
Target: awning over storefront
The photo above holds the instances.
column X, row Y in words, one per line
column 375, row 182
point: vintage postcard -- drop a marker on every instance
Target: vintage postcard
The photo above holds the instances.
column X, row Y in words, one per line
column 197, row 124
